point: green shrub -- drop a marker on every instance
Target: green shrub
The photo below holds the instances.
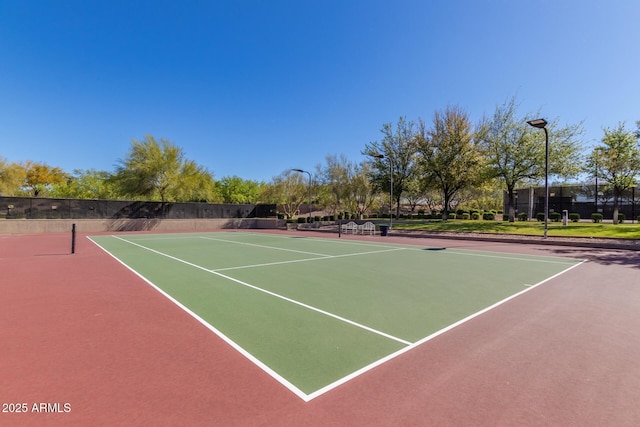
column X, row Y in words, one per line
column 522, row 216
column 596, row 217
column 475, row 216
column 452, row 215
column 621, row 217
column 302, row 219
column 466, row 215
column 574, row 217
column 489, row 216
column 505, row 217
column 555, row 216
column 540, row 216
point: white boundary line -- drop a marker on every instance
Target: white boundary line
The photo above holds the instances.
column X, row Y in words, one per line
column 263, row 246
column 308, row 397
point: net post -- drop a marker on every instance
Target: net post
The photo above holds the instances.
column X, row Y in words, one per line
column 73, row 238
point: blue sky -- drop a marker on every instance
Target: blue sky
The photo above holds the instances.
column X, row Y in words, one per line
column 254, row 87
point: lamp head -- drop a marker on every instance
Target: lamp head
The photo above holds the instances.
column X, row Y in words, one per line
column 537, row 123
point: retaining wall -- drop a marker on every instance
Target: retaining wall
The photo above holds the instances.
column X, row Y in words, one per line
column 28, row 226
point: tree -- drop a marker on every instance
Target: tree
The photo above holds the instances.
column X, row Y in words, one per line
column 159, row 171
column 617, row 160
column 398, row 148
column 449, row 158
column 40, row 177
column 85, row 184
column 515, row 154
column 361, row 191
column 12, row 177
column 237, row 190
column 288, row 190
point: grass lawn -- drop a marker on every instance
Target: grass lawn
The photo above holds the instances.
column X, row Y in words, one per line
column 572, row 229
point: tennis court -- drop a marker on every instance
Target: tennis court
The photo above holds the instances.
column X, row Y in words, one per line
column 314, row 312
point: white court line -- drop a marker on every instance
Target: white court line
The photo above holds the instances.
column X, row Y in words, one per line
column 263, row 246
column 308, row 259
column 282, row 297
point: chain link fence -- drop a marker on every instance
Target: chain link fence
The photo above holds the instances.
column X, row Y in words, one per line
column 580, row 199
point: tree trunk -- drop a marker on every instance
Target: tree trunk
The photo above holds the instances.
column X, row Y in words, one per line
column 511, row 207
column 616, row 196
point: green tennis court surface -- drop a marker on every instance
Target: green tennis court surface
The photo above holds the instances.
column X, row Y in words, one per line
column 314, row 312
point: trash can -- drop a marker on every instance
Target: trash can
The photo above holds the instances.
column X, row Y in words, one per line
column 384, row 229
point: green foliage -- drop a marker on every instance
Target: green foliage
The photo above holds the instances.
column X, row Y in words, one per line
column 522, row 216
column 488, row 216
column 616, row 161
column 514, row 152
column 540, row 216
column 237, row 190
column 475, row 216
column 596, row 217
column 466, row 215
column 555, row 216
column 448, row 156
column 89, row 184
column 621, row 217
column 398, row 150
column 574, row 217
column 12, row 177
column 159, row 171
column 288, row 190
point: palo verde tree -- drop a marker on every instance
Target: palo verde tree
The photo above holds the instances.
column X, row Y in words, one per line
column 616, row 162
column 448, row 156
column 398, row 146
column 158, row 170
column 515, row 152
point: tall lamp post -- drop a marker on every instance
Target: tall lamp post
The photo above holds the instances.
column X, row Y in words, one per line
column 541, row 124
column 309, row 201
column 381, row 156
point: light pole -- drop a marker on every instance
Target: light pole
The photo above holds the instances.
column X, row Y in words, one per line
column 309, row 203
column 381, row 156
column 596, row 154
column 541, row 124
